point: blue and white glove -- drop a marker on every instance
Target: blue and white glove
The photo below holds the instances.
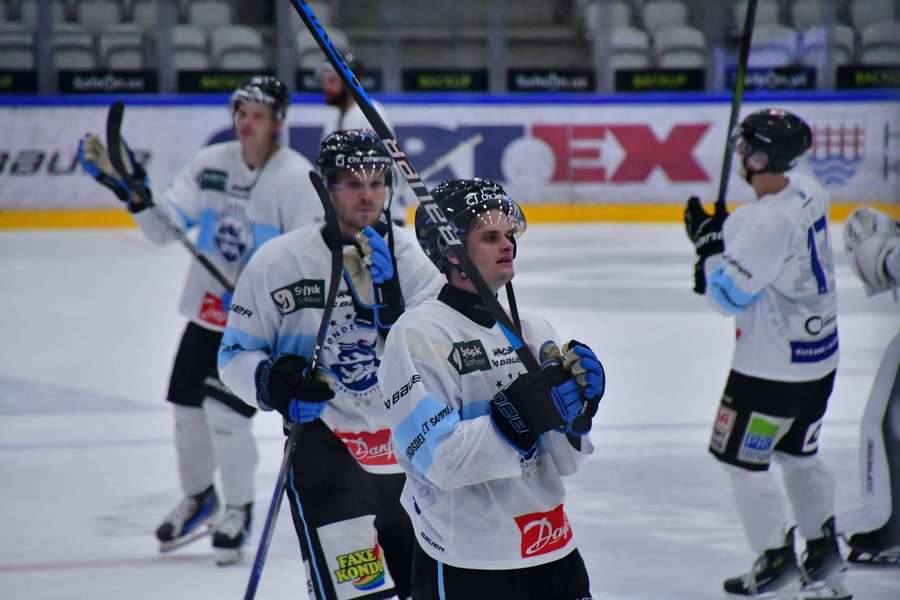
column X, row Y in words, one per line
column 388, row 300
column 94, row 159
column 283, row 383
column 382, row 267
column 582, row 364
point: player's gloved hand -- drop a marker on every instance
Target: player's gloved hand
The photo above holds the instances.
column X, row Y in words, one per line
column 871, row 237
column 585, row 368
column 535, row 403
column 377, row 255
column 94, row 159
column 388, row 300
column 705, row 232
column 284, row 383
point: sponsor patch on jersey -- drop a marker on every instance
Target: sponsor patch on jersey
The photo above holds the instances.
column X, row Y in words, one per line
column 544, row 532
column 811, row 438
column 722, row 428
column 468, row 357
column 369, row 448
column 212, row 311
column 759, row 439
column 306, row 293
column 212, row 179
column 808, row 352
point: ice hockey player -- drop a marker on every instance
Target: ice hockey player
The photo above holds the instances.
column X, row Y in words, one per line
column 238, row 194
column 485, row 444
column 769, row 264
column 344, row 484
column 873, row 240
column 347, row 114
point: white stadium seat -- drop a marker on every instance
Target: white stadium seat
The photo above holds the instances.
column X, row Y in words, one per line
column 680, row 46
column 814, row 41
column 767, row 13
column 16, row 46
column 864, row 13
column 122, row 47
column 237, row 47
column 657, row 14
column 880, row 44
column 773, row 46
column 95, row 15
column 210, row 14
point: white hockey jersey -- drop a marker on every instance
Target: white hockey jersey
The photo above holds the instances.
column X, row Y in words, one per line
column 778, row 266
column 235, row 209
column 354, row 119
column 473, row 503
column 278, row 305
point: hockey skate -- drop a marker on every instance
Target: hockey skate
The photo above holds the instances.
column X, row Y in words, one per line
column 823, row 567
column 231, row 533
column 772, row 570
column 870, row 548
column 191, row 519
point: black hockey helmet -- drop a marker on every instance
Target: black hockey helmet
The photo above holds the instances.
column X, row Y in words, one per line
column 354, row 150
column 263, row 89
column 771, row 140
column 463, row 201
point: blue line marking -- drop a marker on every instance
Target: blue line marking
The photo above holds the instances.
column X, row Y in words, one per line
column 312, row 555
column 442, row 595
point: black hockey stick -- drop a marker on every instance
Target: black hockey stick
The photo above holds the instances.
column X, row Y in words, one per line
column 736, row 97
column 114, row 148
column 333, row 235
column 432, row 210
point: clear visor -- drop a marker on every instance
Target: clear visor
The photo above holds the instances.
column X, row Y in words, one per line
column 487, row 209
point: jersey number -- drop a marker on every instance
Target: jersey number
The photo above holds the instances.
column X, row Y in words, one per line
column 820, row 225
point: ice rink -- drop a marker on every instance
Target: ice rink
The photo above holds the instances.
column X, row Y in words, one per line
column 89, row 327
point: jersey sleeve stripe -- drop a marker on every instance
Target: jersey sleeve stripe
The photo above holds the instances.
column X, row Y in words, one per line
column 727, row 294
column 419, row 434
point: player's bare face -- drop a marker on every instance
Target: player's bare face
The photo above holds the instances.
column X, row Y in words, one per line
column 358, row 198
column 491, row 248
column 255, row 127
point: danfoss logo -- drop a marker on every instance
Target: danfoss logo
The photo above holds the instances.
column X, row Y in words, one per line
column 544, row 532
column 370, row 448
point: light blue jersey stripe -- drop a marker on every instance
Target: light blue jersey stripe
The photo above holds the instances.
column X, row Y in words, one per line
column 727, row 294
column 473, row 410
column 262, row 233
column 296, row 344
column 235, row 342
column 442, row 595
column 418, row 435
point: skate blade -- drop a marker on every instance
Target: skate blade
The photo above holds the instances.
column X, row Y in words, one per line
column 823, row 591
column 228, row 556
column 863, row 557
column 169, row 546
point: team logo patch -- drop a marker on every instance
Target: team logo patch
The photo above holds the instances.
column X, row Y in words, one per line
column 306, row 293
column 212, row 311
column 544, row 532
column 212, row 179
column 369, row 448
column 759, row 440
column 234, row 234
column 468, row 357
column 722, row 428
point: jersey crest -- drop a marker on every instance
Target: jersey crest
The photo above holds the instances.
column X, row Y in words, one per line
column 234, row 234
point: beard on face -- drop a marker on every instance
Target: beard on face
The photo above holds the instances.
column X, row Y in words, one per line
column 337, row 99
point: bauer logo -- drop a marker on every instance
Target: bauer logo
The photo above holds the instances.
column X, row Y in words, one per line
column 211, row 179
column 306, row 293
column 468, row 357
column 544, row 532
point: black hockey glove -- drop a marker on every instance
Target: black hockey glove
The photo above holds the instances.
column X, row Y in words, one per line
column 283, row 383
column 94, row 159
column 705, row 232
column 535, row 403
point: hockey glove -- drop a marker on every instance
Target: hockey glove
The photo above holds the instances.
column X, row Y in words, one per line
column 283, row 383
column 388, row 297
column 585, row 368
column 94, row 159
column 705, row 232
column 533, row 404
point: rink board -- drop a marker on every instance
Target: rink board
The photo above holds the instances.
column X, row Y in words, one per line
column 567, row 158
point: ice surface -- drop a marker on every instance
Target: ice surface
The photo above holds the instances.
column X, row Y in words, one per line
column 89, row 328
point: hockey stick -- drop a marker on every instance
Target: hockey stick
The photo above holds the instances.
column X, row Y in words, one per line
column 434, row 213
column 114, row 148
column 444, row 160
column 333, row 234
column 736, row 97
